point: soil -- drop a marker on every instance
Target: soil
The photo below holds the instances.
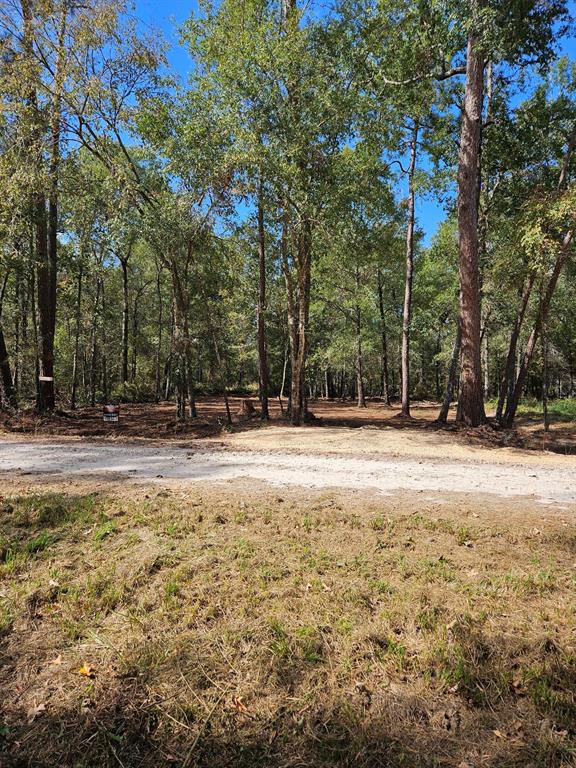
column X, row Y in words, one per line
column 151, row 421
column 551, row 483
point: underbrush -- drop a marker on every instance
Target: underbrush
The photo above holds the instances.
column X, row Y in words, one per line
column 561, row 409
column 213, row 628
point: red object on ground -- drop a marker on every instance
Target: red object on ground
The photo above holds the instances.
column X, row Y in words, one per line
column 111, row 413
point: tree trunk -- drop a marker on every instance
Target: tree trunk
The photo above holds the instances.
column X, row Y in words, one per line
column 7, row 390
column 158, row 387
column 182, row 368
column 512, row 404
column 407, row 309
column 46, row 307
column 359, row 362
column 471, row 400
column 284, row 369
column 437, row 362
column 262, row 353
column 47, row 240
column 485, row 368
column 125, row 319
column 94, row 344
column 76, row 339
column 360, row 392
column 508, row 377
column 135, row 323
column 298, row 296
column 384, row 385
column 298, row 402
column 451, row 383
column 223, row 378
column 545, row 378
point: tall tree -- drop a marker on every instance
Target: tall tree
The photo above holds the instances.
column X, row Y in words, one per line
column 471, row 395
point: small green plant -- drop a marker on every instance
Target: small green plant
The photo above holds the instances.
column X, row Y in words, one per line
column 310, row 644
column 383, row 587
column 463, row 535
column 103, row 531
column 427, row 619
column 390, row 648
column 6, row 619
column 172, row 588
column 344, row 625
column 39, row 543
column 280, row 645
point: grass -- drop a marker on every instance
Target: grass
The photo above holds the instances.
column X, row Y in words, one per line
column 562, row 409
column 227, row 628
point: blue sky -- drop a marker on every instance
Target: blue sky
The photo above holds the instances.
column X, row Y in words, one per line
column 165, row 16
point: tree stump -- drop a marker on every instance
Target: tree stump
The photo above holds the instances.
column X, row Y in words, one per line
column 246, row 409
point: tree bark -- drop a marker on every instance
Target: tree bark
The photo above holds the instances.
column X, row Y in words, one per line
column 513, row 401
column 407, row 309
column 298, row 295
column 76, row 338
column 262, row 352
column 360, row 392
column 47, row 253
column 298, row 401
column 359, row 362
column 451, row 383
column 7, row 389
column 384, row 381
column 508, row 378
column 94, row 343
column 34, row 145
column 471, row 400
column 125, row 318
column 545, row 378
column 158, row 387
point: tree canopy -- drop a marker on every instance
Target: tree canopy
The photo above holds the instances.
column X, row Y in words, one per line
column 255, row 227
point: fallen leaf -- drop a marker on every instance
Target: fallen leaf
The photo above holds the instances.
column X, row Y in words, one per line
column 34, row 711
column 57, row 660
column 452, row 624
column 239, row 705
column 87, row 670
column 498, row 733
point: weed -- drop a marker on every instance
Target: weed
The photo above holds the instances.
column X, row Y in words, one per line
column 428, row 618
column 382, row 587
column 463, row 535
column 39, row 543
column 104, row 530
column 6, row 619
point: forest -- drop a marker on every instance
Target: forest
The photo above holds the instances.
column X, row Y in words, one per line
column 287, row 384
column 253, row 226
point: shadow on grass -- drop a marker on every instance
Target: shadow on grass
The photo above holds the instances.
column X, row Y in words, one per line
column 129, row 729
column 140, row 712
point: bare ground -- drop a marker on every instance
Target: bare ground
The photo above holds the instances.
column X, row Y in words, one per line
column 552, row 480
column 157, row 422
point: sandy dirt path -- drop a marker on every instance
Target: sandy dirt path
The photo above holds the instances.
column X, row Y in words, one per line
column 385, row 474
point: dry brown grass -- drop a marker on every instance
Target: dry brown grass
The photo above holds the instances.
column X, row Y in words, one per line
column 230, row 626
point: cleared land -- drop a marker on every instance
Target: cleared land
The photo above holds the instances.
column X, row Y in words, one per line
column 152, row 421
column 231, row 622
column 552, row 481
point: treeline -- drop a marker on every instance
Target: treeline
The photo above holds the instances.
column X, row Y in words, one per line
column 257, row 225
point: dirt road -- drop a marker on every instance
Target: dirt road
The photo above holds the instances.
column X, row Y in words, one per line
column 551, row 484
